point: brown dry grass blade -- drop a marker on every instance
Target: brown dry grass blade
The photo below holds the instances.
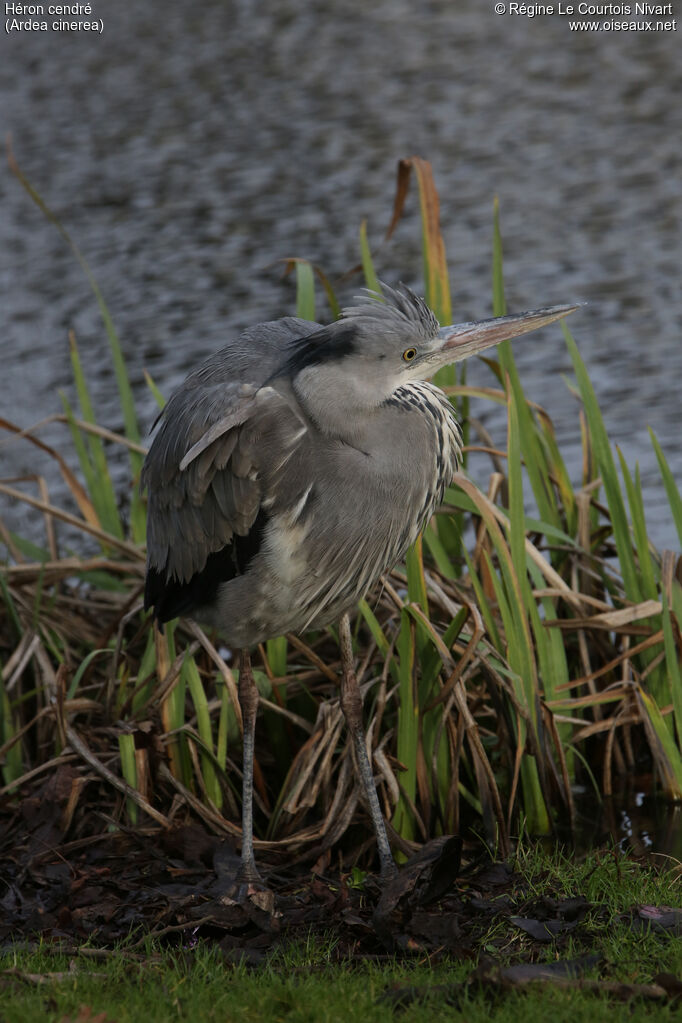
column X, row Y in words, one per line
column 105, row 538
column 54, row 571
column 613, row 620
column 312, row 766
column 86, row 754
column 435, row 264
column 624, row 655
column 304, row 649
column 225, row 672
column 79, row 494
column 490, row 511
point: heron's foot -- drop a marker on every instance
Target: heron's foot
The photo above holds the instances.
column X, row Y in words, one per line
column 388, row 870
column 249, row 873
column 251, row 889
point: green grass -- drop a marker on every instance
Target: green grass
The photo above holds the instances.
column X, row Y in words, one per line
column 312, row 981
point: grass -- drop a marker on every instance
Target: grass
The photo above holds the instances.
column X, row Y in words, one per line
column 531, row 640
column 313, row 981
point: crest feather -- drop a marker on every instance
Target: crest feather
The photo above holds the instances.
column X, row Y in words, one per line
column 395, row 308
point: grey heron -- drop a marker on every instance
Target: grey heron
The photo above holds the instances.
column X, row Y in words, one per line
column 292, row 469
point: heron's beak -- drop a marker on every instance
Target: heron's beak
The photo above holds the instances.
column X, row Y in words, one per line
column 464, row 339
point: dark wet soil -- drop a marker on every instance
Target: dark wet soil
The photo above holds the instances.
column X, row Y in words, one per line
column 109, row 884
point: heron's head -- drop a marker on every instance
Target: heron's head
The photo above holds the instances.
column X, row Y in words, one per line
column 387, row 340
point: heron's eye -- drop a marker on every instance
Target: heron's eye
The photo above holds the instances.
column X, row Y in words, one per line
column 409, row 354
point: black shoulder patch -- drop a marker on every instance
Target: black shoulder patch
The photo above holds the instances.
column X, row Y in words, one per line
column 328, row 344
column 170, row 597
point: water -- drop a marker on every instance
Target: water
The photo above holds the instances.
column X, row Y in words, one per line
column 635, row 820
column 188, row 149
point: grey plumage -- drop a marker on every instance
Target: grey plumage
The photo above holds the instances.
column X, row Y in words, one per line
column 253, row 445
column 298, row 464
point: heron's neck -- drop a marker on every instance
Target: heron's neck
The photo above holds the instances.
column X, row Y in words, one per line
column 338, row 405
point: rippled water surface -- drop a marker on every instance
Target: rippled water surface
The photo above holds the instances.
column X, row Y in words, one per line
column 190, row 147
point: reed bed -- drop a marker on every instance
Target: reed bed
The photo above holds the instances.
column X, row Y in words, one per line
column 512, row 657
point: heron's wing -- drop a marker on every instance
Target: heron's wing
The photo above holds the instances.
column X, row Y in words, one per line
column 209, row 471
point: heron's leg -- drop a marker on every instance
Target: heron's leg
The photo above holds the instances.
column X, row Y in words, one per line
column 351, row 704
column 248, row 700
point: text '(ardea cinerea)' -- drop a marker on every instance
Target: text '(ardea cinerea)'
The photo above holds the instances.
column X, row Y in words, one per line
column 292, row 469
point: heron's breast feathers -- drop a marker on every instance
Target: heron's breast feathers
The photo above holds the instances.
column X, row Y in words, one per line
column 441, row 452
